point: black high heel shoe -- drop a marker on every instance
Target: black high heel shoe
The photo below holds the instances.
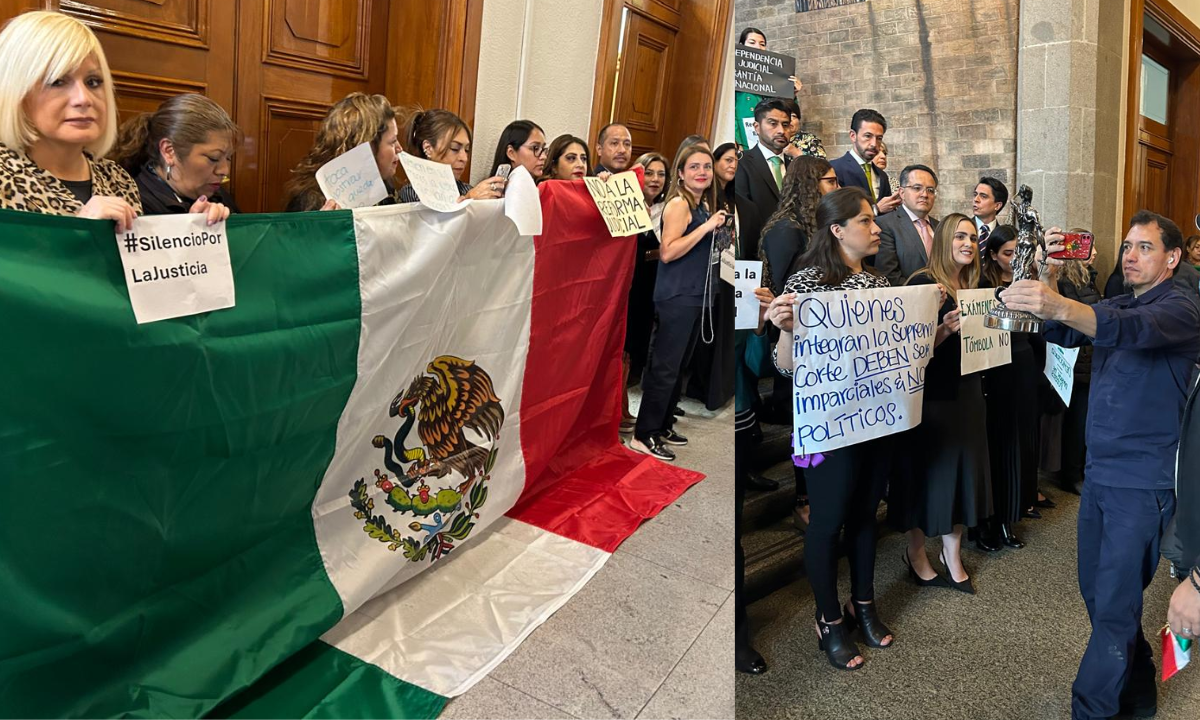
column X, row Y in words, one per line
column 936, row 581
column 1009, row 538
column 873, row 629
column 835, row 641
column 961, row 586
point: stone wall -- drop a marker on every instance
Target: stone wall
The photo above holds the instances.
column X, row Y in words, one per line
column 943, row 73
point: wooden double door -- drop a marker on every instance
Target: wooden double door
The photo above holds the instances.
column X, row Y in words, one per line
column 277, row 65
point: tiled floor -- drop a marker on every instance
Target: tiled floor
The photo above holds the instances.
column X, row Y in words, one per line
column 651, row 635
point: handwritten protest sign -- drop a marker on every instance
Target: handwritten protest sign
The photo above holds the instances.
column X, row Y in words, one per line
column 176, row 265
column 621, row 203
column 859, row 363
column 352, row 179
column 762, row 72
column 434, row 183
column 1060, row 368
column 982, row 347
column 747, row 276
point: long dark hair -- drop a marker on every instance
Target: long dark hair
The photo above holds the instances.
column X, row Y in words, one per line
column 990, row 266
column 724, row 190
column 514, row 136
column 800, row 195
column 836, row 208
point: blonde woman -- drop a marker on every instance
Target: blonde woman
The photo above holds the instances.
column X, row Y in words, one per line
column 58, row 119
column 352, row 121
column 947, row 485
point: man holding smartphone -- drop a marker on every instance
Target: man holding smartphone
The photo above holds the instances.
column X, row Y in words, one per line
column 1146, row 345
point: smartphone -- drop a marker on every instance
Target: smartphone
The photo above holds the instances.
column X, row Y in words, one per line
column 1076, row 246
column 503, row 171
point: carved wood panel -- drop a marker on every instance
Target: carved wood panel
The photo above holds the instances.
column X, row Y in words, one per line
column 642, row 89
column 326, row 36
column 183, row 22
column 287, row 130
column 138, row 93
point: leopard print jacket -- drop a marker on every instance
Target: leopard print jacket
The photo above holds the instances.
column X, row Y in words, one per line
column 25, row 186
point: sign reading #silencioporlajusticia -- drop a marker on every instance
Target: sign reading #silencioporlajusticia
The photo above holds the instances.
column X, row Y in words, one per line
column 859, row 364
column 763, row 72
column 176, row 265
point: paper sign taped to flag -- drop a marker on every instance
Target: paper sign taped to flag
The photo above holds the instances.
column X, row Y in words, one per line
column 763, row 73
column 747, row 276
column 621, row 203
column 1060, row 369
column 176, row 265
column 434, row 183
column 982, row 347
column 859, row 360
column 352, row 179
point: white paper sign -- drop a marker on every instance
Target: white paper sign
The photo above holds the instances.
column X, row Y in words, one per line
column 176, row 265
column 622, row 203
column 522, row 204
column 982, row 347
column 1060, row 368
column 751, row 135
column 747, row 276
column 859, row 359
column 352, row 179
column 434, row 183
column 728, row 265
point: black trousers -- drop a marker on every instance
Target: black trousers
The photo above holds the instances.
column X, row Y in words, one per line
column 670, row 350
column 844, row 492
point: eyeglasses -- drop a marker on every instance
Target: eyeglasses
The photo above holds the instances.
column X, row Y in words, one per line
column 920, row 189
column 537, row 149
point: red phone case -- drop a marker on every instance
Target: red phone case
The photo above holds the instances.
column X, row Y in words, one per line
column 1077, row 246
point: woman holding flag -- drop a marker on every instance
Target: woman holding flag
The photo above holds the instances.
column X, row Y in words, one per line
column 845, row 485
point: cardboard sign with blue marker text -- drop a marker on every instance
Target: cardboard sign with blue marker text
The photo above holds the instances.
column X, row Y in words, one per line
column 1060, row 369
column 621, row 203
column 982, row 347
column 859, row 360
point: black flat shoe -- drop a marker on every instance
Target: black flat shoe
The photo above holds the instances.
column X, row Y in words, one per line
column 747, row 660
column 985, row 539
column 873, row 629
column 959, row 585
column 676, row 411
column 1032, row 514
column 936, row 581
column 1009, row 538
column 839, row 648
column 1047, row 503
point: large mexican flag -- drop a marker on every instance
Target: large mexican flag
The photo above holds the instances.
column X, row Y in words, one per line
column 351, row 495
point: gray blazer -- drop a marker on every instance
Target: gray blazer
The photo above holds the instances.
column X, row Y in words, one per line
column 901, row 252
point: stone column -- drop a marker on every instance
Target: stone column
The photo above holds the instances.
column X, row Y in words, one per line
column 1068, row 120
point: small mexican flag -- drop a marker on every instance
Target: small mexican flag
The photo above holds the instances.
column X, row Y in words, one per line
column 1175, row 655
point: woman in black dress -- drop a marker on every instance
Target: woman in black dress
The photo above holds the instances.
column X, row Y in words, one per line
column 846, row 486
column 947, row 485
column 1012, row 411
column 639, row 318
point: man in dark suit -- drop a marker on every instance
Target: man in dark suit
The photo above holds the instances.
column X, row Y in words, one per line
column 855, row 169
column 989, row 200
column 760, row 172
column 906, row 236
column 614, row 149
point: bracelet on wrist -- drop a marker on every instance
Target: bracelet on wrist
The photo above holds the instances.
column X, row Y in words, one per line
column 1192, row 576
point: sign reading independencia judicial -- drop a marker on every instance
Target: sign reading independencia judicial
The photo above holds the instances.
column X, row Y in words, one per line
column 763, row 72
column 859, row 360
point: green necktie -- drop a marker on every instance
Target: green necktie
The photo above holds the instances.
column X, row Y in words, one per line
column 776, row 163
column 870, row 180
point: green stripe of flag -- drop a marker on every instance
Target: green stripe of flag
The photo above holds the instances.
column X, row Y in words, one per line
column 157, row 551
column 324, row 682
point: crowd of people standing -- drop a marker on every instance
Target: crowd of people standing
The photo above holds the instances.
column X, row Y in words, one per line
column 970, row 470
